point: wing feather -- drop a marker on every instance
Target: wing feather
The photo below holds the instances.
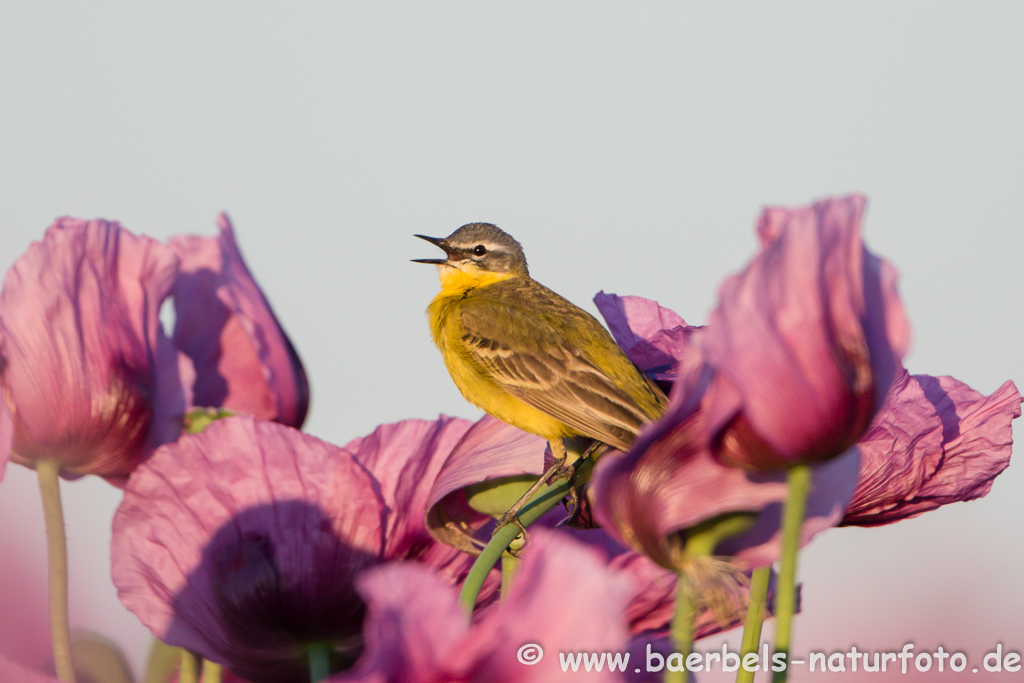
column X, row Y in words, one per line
column 521, row 350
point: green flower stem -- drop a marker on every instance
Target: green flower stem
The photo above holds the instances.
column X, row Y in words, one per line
column 160, row 665
column 57, row 555
column 701, row 541
column 188, row 672
column 510, row 564
column 681, row 631
column 319, row 662
column 547, row 498
column 756, row 604
column 211, row 671
column 785, row 599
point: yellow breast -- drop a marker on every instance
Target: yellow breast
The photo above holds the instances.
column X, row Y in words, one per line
column 473, row 381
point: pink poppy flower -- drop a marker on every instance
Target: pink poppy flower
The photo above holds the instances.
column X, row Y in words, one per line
column 244, row 360
column 416, row 632
column 90, row 377
column 670, row 482
column 805, row 341
column 242, row 543
column 935, row 441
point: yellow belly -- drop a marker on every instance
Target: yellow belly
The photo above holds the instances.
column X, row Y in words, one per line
column 475, row 385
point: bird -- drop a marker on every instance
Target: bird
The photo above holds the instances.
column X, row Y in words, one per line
column 527, row 356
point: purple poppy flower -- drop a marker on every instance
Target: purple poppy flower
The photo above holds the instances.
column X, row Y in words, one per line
column 416, row 633
column 244, row 361
column 935, row 441
column 90, row 377
column 670, row 482
column 805, row 341
column 242, row 543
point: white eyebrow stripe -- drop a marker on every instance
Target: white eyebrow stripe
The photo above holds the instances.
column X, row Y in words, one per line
column 489, row 246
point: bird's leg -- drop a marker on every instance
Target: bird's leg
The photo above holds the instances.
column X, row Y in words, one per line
column 561, row 455
column 569, row 472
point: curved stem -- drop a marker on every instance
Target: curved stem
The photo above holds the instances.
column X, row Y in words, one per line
column 510, row 564
column 57, row 555
column 756, row 603
column 188, row 671
column 319, row 662
column 785, row 598
column 546, row 499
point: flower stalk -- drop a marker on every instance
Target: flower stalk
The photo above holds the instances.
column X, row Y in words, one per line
column 211, row 671
column 161, row 662
column 57, row 556
column 785, row 601
column 756, row 604
column 682, row 628
column 510, row 564
column 188, row 671
column 546, row 499
column 699, row 578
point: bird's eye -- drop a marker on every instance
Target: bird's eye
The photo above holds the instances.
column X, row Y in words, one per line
column 479, row 250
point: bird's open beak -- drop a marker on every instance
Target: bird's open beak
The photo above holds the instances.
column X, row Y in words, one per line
column 439, row 242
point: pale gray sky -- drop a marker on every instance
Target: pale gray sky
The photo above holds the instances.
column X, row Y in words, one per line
column 628, row 147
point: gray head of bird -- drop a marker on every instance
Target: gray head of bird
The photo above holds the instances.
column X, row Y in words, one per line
column 479, row 247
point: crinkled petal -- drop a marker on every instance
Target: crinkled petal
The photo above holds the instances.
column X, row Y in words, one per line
column 655, row 338
column 405, row 459
column 489, row 451
column 242, row 543
column 82, row 343
column 244, row 360
column 936, row 441
column 809, row 337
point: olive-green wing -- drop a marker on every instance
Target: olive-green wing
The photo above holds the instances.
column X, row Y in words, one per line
column 530, row 357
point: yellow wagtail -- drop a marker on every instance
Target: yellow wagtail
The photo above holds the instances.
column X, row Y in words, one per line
column 525, row 355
